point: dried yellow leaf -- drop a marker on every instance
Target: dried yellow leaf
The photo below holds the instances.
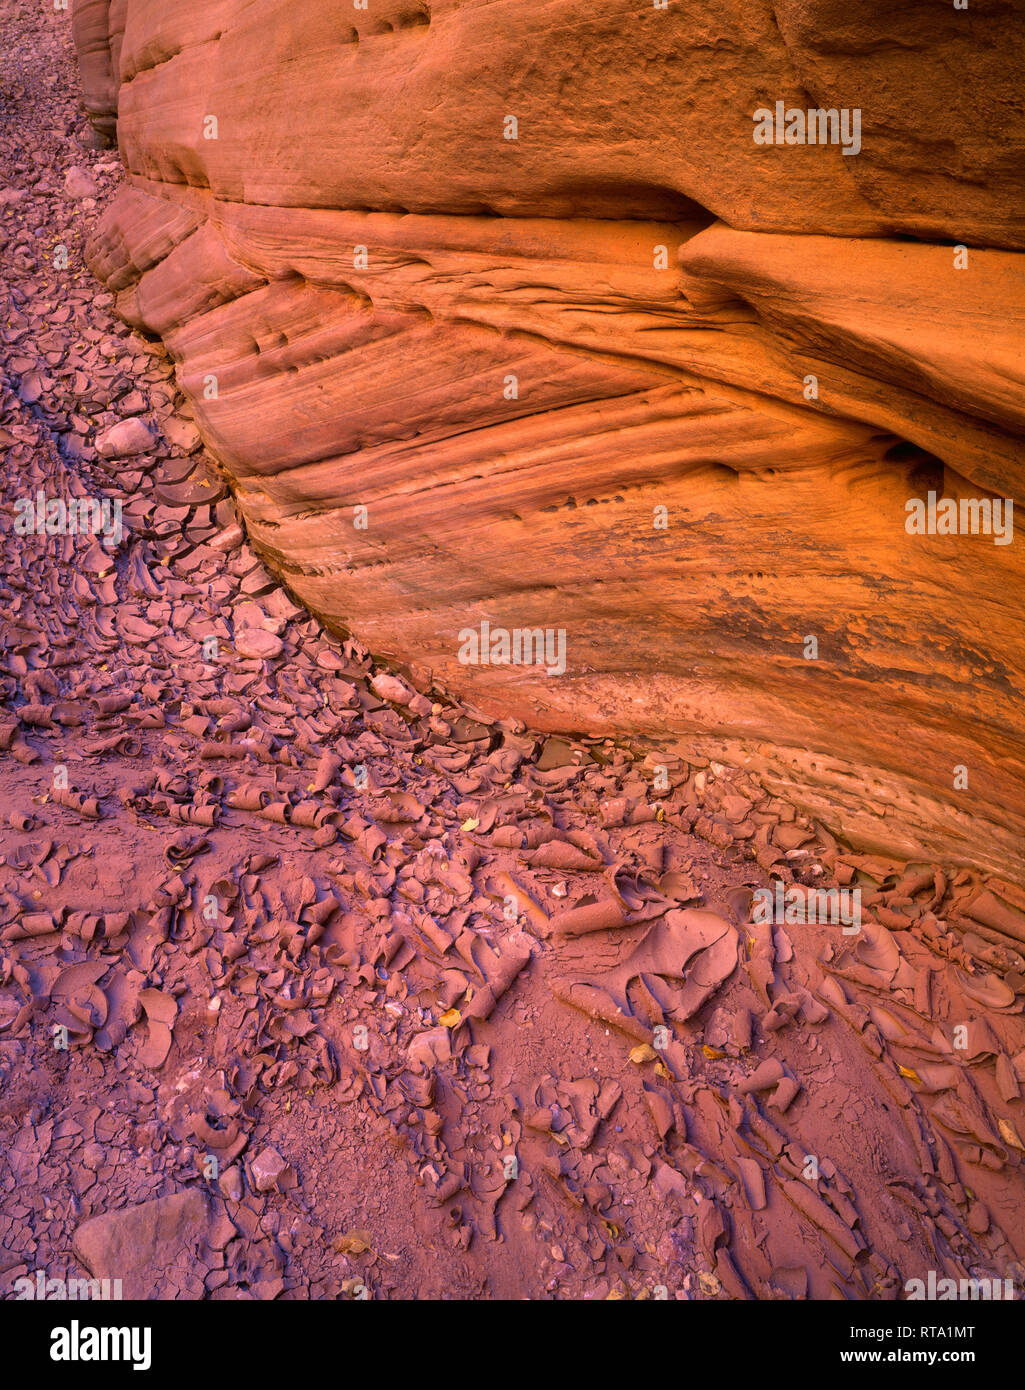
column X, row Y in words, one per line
column 352, row 1243
column 1010, row 1135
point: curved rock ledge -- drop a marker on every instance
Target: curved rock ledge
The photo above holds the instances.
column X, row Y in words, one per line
column 631, row 376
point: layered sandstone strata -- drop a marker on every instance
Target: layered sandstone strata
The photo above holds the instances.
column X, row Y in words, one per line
column 630, row 374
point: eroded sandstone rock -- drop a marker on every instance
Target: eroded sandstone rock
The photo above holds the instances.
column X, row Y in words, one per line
column 630, row 376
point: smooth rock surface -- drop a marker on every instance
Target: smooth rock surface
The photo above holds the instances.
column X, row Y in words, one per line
column 140, row 1245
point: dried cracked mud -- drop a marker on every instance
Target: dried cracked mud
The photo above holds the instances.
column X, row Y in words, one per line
column 316, row 983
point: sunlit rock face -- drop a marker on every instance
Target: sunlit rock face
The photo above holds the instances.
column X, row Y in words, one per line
column 507, row 314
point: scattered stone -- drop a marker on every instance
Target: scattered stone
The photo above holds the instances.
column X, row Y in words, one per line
column 79, row 183
column 268, row 1169
column 125, row 439
column 141, row 1245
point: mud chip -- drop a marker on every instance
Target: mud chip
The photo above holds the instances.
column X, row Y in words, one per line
column 181, row 433
column 161, row 1012
column 427, row 1049
column 257, row 643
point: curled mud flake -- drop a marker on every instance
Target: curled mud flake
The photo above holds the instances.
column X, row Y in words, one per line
column 161, row 1012
column 606, row 915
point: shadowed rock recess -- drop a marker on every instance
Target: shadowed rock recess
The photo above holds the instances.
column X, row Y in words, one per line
column 498, row 312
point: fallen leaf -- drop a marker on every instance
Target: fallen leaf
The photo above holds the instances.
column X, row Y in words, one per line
column 352, row 1243
column 1010, row 1135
